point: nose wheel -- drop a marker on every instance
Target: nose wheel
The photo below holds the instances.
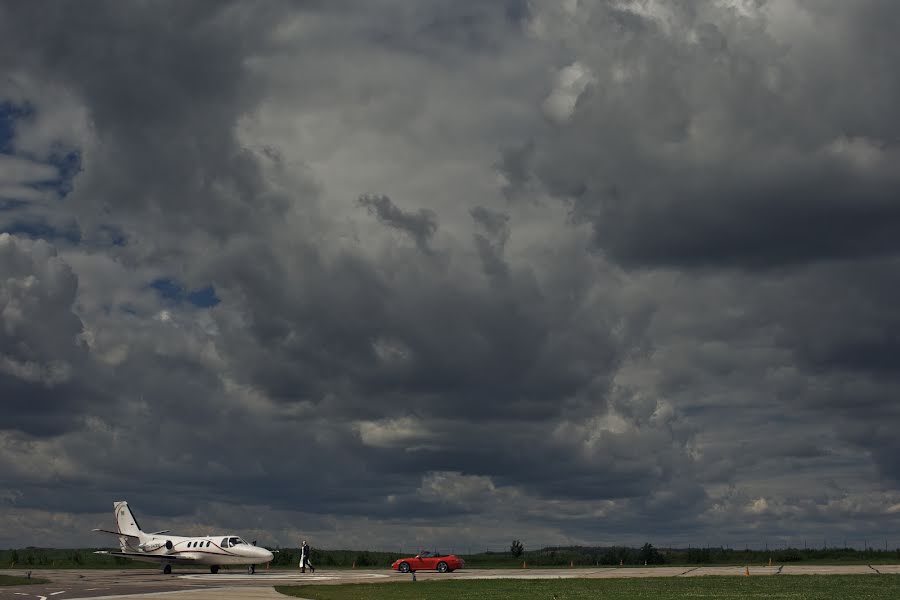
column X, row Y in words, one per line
column 251, row 569
column 167, row 569
column 214, row 569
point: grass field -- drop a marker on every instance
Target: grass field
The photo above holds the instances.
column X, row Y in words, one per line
column 794, row 587
column 10, row 580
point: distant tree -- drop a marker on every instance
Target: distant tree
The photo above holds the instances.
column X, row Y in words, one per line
column 698, row 555
column 517, row 549
column 650, row 555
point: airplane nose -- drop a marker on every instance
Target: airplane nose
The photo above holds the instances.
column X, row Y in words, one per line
column 268, row 556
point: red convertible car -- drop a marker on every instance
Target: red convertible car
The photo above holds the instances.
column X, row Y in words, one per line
column 428, row 561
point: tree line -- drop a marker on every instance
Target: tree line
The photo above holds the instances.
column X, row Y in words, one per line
column 551, row 556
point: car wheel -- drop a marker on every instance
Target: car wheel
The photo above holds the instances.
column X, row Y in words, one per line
column 404, row 567
column 442, row 567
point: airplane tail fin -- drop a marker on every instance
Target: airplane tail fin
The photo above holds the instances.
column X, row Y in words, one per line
column 125, row 521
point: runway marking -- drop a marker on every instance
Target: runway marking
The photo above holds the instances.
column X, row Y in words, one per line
column 474, row 575
column 59, row 592
column 264, row 577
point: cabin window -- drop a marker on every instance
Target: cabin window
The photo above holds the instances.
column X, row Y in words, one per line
column 224, row 542
column 207, row 544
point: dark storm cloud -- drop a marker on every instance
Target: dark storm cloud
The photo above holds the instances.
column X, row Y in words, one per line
column 370, row 388
column 42, row 353
column 163, row 89
column 491, row 246
column 712, row 143
column 420, row 225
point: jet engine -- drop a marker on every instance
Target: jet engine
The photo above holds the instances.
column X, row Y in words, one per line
column 156, row 545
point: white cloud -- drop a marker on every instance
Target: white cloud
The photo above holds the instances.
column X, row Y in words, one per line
column 571, row 81
column 399, row 432
column 861, row 152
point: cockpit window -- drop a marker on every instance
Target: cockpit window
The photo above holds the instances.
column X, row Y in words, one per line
column 224, row 542
column 235, row 541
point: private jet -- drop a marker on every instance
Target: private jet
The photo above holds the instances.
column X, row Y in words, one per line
column 168, row 550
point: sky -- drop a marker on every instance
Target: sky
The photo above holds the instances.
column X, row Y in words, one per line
column 447, row 273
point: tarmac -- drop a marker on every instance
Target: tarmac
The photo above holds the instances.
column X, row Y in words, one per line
column 150, row 584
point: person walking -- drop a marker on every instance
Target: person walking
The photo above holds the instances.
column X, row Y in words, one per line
column 304, row 558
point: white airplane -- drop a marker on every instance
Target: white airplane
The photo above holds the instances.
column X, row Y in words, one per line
column 168, row 550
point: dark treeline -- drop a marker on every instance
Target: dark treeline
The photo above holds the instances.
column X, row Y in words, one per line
column 56, row 558
column 649, row 555
column 559, row 556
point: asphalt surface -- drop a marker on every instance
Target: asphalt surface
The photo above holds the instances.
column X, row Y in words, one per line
column 201, row 585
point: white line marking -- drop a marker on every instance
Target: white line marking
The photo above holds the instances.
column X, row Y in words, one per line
column 59, row 592
column 262, row 579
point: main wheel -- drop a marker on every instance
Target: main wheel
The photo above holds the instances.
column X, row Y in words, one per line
column 251, row 569
column 404, row 567
column 214, row 569
column 442, row 567
column 167, row 569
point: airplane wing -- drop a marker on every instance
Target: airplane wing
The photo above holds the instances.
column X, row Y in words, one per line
column 152, row 557
column 120, row 534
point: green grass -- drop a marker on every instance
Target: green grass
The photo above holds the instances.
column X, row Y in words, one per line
column 787, row 587
column 10, row 580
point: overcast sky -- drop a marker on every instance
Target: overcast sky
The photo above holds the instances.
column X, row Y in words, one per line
column 445, row 273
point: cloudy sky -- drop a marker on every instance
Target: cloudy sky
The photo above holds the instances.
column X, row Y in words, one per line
column 447, row 273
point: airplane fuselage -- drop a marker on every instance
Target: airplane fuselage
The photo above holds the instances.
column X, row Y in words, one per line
column 209, row 550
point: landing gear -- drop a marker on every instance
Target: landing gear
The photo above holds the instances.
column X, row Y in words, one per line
column 167, row 569
column 214, row 569
column 251, row 569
